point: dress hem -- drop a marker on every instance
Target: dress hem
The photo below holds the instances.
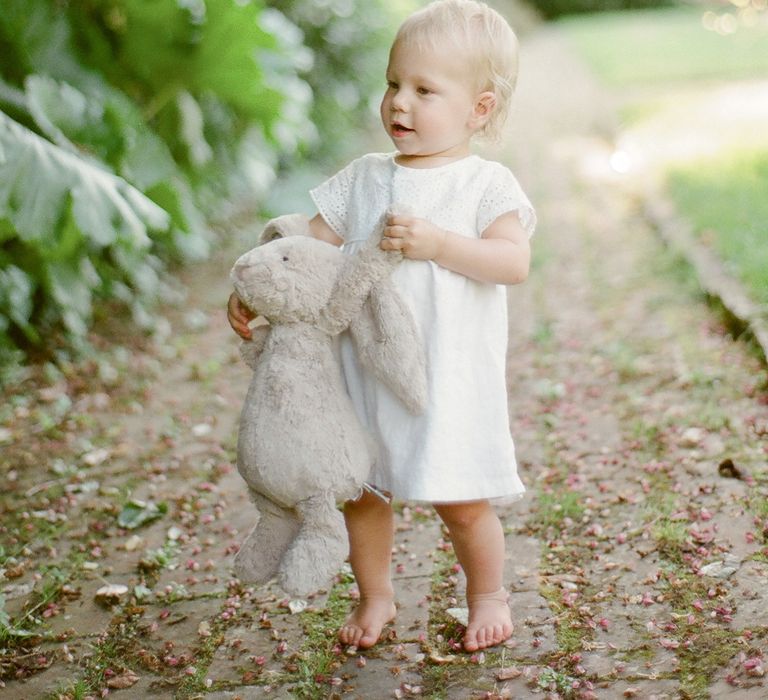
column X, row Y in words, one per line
column 502, row 499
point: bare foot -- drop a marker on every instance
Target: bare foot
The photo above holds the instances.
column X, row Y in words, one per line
column 490, row 621
column 363, row 627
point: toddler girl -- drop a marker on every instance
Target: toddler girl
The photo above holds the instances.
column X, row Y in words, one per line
column 452, row 69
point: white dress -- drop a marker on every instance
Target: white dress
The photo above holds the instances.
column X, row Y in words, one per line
column 460, row 449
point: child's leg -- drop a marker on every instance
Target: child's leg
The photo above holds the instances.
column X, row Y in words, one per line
column 370, row 525
column 478, row 540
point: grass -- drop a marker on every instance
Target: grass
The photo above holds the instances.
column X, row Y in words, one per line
column 705, row 644
column 319, row 658
column 113, row 651
column 624, row 358
column 650, row 435
column 666, row 45
column 714, row 647
column 30, row 624
column 555, row 507
column 706, row 647
column 193, row 684
column 670, row 537
column 725, row 200
column 550, row 679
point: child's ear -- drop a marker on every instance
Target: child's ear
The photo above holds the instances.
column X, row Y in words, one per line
column 485, row 103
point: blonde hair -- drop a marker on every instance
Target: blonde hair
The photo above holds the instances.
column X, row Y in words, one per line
column 483, row 35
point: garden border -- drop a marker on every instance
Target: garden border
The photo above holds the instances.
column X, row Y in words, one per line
column 711, row 273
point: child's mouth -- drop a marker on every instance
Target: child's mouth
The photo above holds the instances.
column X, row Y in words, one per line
column 400, row 130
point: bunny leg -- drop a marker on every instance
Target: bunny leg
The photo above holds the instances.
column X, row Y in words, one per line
column 259, row 556
column 319, row 549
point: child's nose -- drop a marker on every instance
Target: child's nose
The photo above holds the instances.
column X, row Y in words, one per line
column 399, row 101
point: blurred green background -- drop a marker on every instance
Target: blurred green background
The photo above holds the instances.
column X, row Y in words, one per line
column 133, row 133
column 690, row 83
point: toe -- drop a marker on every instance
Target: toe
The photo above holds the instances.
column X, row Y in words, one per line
column 350, row 635
column 484, row 639
column 368, row 639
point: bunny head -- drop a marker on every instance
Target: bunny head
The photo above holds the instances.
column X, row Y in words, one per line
column 287, row 279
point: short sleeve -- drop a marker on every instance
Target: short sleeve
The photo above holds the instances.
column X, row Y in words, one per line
column 332, row 199
column 504, row 194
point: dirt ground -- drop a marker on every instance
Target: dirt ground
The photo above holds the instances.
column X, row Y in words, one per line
column 637, row 563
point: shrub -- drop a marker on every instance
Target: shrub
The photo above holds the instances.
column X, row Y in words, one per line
column 550, row 9
column 125, row 126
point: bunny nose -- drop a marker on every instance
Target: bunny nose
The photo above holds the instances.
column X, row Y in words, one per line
column 242, row 265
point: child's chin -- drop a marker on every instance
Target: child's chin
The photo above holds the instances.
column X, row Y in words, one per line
column 404, row 148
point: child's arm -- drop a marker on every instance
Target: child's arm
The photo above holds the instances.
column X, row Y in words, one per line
column 318, row 228
column 502, row 255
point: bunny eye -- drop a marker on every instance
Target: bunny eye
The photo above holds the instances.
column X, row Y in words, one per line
column 285, row 258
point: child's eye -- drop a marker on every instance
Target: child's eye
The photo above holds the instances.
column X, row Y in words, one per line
column 424, row 91
column 392, row 84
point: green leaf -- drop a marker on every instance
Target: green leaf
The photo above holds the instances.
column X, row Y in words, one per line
column 70, row 284
column 37, row 177
column 142, row 592
column 219, row 47
column 189, row 237
column 102, row 124
column 60, row 109
column 136, row 513
column 192, row 124
column 147, row 160
column 16, row 289
column 37, row 36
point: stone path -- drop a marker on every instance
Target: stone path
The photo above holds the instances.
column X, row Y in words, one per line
column 638, row 567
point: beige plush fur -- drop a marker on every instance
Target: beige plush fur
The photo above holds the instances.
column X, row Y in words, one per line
column 301, row 449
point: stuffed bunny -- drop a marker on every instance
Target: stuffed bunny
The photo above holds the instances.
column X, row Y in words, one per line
column 301, row 448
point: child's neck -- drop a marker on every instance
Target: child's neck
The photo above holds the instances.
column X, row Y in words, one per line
column 433, row 160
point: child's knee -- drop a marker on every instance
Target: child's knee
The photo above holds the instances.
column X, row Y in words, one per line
column 463, row 515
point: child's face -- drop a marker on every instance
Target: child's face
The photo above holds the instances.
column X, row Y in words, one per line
column 430, row 108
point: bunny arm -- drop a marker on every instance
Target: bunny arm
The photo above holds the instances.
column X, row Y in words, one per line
column 354, row 282
column 250, row 350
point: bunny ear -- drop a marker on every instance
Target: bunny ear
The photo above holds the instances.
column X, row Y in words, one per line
column 285, row 226
column 390, row 346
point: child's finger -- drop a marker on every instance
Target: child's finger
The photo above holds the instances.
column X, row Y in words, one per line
column 241, row 329
column 239, row 316
column 238, row 310
column 395, row 231
column 398, row 220
column 391, row 244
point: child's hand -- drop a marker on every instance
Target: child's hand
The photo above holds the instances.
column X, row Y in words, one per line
column 417, row 238
column 238, row 315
